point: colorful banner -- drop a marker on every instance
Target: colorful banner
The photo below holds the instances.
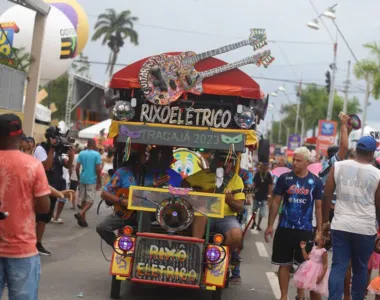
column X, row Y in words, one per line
column 294, row 142
column 326, row 135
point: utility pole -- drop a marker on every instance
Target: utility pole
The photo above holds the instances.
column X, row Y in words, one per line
column 302, row 130
column 366, row 99
column 280, row 127
column 271, row 130
column 298, row 107
column 346, row 88
column 332, row 90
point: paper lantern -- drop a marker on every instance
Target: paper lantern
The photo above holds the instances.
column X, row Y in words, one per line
column 60, row 39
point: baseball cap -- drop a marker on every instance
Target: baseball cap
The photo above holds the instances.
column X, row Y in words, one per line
column 367, row 143
column 10, row 125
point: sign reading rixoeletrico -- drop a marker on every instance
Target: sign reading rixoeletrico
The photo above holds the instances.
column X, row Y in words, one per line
column 205, row 117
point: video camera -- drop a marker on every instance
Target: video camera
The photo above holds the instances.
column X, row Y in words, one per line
column 64, row 143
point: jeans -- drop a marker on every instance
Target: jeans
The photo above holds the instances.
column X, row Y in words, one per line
column 358, row 248
column 111, row 223
column 22, row 276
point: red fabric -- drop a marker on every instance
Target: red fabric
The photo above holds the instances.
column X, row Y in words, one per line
column 311, row 140
column 231, row 83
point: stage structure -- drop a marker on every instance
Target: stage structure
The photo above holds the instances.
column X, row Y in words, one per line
column 85, row 103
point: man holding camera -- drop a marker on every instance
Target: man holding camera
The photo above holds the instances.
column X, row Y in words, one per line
column 50, row 154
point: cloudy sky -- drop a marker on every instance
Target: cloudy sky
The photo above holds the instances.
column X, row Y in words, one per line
column 199, row 25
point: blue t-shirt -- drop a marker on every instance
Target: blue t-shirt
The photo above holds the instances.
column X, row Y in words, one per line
column 247, row 176
column 122, row 178
column 89, row 159
column 299, row 195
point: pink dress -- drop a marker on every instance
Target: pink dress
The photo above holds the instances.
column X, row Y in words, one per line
column 307, row 274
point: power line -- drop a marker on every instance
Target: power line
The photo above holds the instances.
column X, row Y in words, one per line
column 220, row 35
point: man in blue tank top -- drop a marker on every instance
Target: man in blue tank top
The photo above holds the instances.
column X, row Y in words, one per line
column 300, row 190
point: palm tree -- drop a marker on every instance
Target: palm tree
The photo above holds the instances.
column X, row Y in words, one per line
column 368, row 70
column 114, row 28
column 374, row 49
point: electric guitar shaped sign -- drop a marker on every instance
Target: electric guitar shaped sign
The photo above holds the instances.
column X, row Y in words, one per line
column 195, row 86
column 164, row 78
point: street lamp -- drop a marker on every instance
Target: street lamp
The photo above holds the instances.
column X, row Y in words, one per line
column 313, row 24
column 329, row 13
column 42, row 10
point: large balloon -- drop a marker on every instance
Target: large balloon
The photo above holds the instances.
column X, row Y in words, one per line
column 77, row 16
column 60, row 44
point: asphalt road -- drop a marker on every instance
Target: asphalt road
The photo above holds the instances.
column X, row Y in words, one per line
column 77, row 268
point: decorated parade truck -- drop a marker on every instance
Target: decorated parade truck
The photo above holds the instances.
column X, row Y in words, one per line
column 199, row 104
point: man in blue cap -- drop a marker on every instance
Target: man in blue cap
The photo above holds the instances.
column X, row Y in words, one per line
column 353, row 228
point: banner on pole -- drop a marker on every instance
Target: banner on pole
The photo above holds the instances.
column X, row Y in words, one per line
column 326, row 135
column 294, row 142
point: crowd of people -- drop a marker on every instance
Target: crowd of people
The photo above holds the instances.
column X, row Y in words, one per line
column 338, row 206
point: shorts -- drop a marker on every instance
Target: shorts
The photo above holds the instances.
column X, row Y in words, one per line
column 262, row 206
column 22, row 276
column 73, row 185
column 87, row 192
column 47, row 217
column 224, row 225
column 286, row 246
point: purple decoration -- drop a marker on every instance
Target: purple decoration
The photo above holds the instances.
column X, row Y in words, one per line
column 126, row 132
column 125, row 243
column 213, row 254
column 68, row 11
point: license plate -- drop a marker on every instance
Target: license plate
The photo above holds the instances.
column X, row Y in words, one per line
column 168, row 261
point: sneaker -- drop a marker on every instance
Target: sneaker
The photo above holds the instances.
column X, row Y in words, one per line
column 235, row 280
column 42, row 250
column 258, row 228
column 253, row 225
column 59, row 221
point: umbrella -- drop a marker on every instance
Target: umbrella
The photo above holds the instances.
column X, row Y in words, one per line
column 279, row 171
column 315, row 168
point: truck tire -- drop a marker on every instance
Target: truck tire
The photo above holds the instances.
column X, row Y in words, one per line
column 115, row 288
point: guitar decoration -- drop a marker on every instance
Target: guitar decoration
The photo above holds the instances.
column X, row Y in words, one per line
column 162, row 77
column 264, row 58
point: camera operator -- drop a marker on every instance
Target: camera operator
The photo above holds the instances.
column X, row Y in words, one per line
column 50, row 154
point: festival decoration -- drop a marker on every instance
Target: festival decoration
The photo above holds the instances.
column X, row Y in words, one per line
column 61, row 40
column 187, row 162
column 246, row 118
column 123, row 111
column 164, row 78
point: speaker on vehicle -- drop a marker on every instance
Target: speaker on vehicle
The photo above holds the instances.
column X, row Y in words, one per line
column 175, row 214
column 264, row 151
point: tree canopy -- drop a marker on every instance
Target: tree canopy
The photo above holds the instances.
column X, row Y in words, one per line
column 313, row 107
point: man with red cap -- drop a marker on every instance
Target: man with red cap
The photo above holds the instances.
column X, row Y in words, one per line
column 24, row 190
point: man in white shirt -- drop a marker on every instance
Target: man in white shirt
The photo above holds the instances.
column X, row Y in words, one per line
column 353, row 228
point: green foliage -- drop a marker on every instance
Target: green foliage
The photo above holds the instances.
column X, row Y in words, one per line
column 369, row 69
column 19, row 59
column 313, row 107
column 81, row 66
column 58, row 88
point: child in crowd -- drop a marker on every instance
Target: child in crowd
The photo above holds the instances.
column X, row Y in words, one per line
column 313, row 274
column 374, row 286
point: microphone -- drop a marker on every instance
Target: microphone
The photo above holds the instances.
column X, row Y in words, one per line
column 3, row 215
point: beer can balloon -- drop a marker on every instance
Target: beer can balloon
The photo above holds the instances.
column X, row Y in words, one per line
column 354, row 122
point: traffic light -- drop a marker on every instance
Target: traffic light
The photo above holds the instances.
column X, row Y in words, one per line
column 328, row 82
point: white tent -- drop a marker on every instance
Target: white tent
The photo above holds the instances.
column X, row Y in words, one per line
column 356, row 134
column 93, row 131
